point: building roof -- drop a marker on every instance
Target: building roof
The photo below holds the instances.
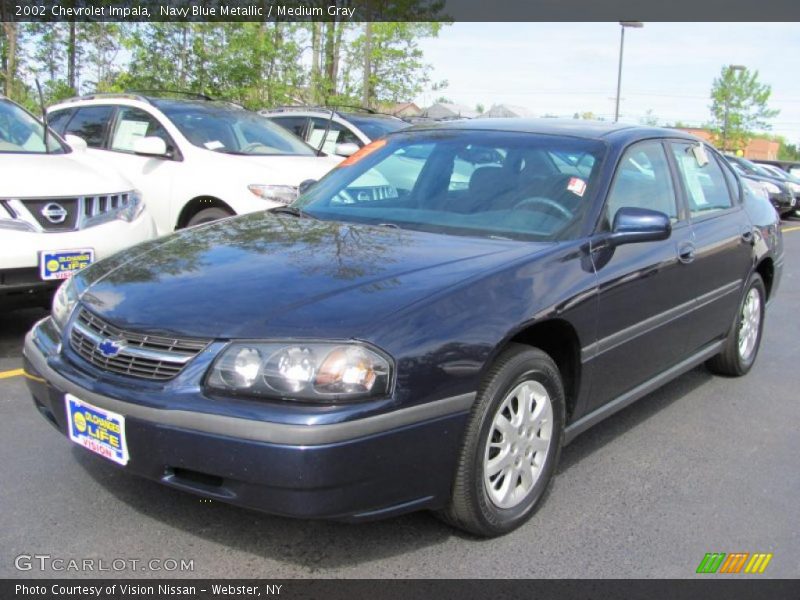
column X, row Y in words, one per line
column 445, row 110
column 508, row 110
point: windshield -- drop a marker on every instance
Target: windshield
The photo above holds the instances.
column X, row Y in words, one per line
column 233, row 131
column 21, row 133
column 377, row 127
column 478, row 183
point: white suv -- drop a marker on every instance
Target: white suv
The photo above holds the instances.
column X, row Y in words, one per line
column 336, row 132
column 59, row 209
column 194, row 160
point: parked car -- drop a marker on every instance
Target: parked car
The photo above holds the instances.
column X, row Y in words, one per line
column 59, row 210
column 433, row 350
column 194, row 160
column 780, row 194
column 790, row 180
column 346, row 131
column 792, row 167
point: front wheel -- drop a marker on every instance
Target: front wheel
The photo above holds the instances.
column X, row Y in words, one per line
column 207, row 215
column 511, row 445
column 744, row 339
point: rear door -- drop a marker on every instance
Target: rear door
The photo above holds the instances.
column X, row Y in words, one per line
column 723, row 239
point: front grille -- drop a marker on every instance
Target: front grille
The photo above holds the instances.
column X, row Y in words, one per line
column 65, row 214
column 59, row 214
column 142, row 356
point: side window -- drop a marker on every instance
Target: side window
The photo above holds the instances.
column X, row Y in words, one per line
column 730, row 178
column 91, row 123
column 58, row 120
column 706, row 189
column 297, row 125
column 338, row 134
column 134, row 123
column 643, row 180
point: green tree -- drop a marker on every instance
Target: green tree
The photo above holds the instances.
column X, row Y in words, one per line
column 739, row 106
column 393, row 60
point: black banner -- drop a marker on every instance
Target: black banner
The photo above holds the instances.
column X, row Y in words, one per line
column 436, row 589
column 398, row 10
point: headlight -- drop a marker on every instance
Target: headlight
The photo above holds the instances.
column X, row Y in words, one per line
column 64, row 302
column 315, row 371
column 795, row 187
column 285, row 194
column 134, row 208
column 771, row 187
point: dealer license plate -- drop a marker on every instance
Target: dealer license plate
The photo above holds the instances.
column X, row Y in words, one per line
column 63, row 263
column 97, row 429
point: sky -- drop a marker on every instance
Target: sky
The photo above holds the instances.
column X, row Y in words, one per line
column 564, row 68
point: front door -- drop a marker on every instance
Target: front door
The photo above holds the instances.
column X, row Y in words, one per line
column 645, row 289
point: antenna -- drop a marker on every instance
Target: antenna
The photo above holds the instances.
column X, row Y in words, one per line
column 44, row 117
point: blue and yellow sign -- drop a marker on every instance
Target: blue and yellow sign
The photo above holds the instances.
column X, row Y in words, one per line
column 97, row 429
column 62, row 264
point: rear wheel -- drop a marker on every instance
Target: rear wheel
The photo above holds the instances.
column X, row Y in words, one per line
column 744, row 339
column 511, row 446
column 207, row 215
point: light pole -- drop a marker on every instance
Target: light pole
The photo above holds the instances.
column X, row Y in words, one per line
column 728, row 69
column 623, row 25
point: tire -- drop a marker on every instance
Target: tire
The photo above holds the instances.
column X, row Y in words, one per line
column 737, row 359
column 207, row 215
column 482, row 502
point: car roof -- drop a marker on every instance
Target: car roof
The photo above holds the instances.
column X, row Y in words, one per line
column 569, row 127
column 136, row 99
column 302, row 111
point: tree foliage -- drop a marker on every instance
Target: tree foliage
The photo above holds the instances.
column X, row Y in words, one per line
column 256, row 64
column 739, row 106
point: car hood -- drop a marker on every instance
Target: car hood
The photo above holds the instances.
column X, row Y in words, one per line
column 280, row 170
column 74, row 174
column 268, row 276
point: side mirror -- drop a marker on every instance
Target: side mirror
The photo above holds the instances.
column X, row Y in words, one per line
column 150, row 146
column 632, row 225
column 78, row 144
column 346, row 149
column 304, row 185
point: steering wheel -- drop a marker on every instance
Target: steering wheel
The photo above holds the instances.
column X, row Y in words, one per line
column 558, row 209
column 254, row 146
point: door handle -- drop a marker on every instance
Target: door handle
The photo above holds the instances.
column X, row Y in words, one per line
column 748, row 237
column 686, row 252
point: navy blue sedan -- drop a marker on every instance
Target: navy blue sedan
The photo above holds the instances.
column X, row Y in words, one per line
column 424, row 328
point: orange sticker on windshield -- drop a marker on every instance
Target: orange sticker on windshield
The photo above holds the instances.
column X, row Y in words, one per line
column 365, row 151
column 577, row 186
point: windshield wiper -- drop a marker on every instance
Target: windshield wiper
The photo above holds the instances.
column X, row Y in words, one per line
column 291, row 210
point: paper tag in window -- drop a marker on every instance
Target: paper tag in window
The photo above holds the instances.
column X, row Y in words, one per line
column 215, row 145
column 577, row 186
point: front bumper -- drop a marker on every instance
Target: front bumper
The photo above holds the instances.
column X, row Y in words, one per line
column 20, row 284
column 362, row 469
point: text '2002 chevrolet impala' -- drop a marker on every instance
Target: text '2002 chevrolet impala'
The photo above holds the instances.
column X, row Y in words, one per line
column 405, row 337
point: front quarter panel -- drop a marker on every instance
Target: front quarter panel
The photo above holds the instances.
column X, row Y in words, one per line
column 444, row 344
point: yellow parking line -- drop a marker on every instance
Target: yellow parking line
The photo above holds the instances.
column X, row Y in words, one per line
column 13, row 373
column 788, row 229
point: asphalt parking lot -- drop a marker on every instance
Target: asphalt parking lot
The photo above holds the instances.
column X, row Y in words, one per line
column 706, row 464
